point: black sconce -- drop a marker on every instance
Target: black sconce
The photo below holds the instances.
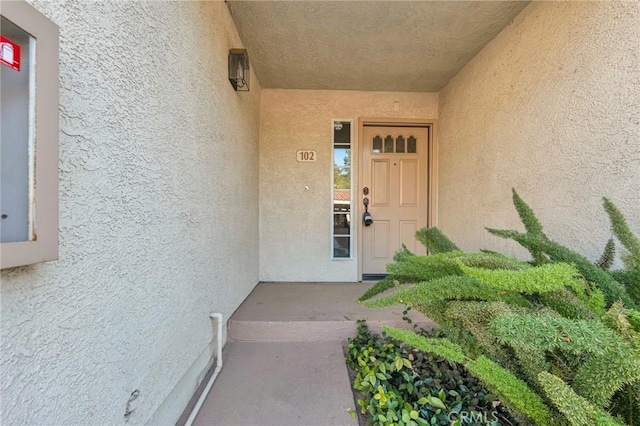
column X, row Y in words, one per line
column 239, row 69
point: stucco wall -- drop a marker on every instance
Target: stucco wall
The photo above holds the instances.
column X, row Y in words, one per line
column 551, row 107
column 295, row 233
column 158, row 217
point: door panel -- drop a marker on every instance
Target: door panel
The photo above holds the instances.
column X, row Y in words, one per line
column 394, row 168
column 380, row 242
column 380, row 183
column 409, row 183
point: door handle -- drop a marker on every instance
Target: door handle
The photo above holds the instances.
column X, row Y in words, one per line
column 367, row 219
column 366, row 216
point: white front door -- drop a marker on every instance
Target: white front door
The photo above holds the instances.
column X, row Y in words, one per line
column 394, row 178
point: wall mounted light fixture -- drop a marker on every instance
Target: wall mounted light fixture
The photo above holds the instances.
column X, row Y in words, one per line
column 239, row 69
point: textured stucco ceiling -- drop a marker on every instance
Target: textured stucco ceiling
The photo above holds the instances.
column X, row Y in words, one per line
column 415, row 46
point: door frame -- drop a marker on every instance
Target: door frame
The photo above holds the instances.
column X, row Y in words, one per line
column 432, row 170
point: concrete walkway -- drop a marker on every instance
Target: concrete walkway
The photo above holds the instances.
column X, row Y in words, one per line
column 269, row 383
column 284, row 363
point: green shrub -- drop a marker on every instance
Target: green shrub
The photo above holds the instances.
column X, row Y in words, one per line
column 424, row 268
column 538, row 243
column 379, row 287
column 409, row 268
column 513, row 390
column 446, row 288
column 599, row 378
column 577, row 410
column 630, row 279
column 561, row 333
column 551, row 333
column 633, row 317
column 541, row 279
column 612, row 289
column 441, row 347
column 567, row 304
column 435, row 241
column 620, row 319
column 532, row 226
column 623, row 234
column 608, row 255
column 470, row 325
column 627, row 400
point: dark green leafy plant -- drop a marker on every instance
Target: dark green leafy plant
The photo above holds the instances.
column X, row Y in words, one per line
column 383, row 380
column 501, row 381
column 398, row 385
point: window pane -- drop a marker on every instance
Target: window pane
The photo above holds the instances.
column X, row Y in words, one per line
column 341, row 177
column 341, row 200
column 17, row 132
column 388, row 144
column 341, row 132
column 411, row 142
column 341, row 168
column 377, row 145
column 342, row 224
column 400, row 144
column 341, row 247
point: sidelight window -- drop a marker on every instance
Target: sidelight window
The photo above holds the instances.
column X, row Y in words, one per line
column 341, row 229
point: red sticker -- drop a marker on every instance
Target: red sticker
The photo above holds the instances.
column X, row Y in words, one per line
column 9, row 53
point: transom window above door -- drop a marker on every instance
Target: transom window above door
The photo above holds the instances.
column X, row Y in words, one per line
column 389, row 144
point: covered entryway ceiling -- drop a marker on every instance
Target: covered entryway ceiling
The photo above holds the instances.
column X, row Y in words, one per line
column 410, row 46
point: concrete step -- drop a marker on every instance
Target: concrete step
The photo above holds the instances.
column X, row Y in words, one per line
column 311, row 312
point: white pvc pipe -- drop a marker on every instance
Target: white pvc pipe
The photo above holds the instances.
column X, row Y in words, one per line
column 206, row 390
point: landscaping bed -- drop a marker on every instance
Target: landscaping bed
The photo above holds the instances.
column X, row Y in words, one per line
column 396, row 384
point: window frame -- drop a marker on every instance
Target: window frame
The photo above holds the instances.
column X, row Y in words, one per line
column 43, row 227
